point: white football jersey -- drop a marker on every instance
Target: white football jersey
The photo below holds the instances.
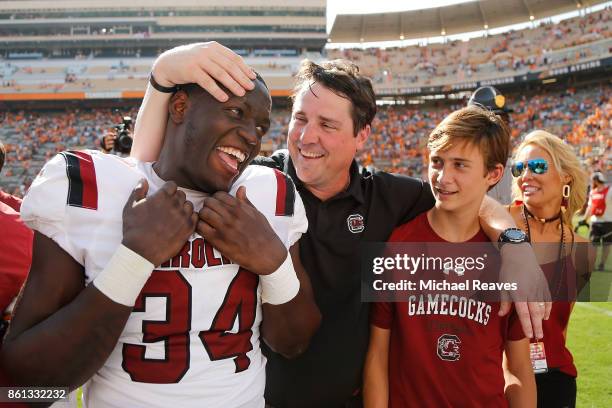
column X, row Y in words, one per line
column 192, row 339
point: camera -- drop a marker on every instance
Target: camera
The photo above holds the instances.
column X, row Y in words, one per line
column 123, row 142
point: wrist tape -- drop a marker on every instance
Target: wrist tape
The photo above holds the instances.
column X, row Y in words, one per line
column 280, row 286
column 124, row 276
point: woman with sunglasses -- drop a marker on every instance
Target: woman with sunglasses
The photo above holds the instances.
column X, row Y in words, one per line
column 549, row 187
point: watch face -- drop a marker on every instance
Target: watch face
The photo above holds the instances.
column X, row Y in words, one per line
column 515, row 235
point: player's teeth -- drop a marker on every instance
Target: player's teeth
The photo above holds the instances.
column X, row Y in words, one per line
column 234, row 152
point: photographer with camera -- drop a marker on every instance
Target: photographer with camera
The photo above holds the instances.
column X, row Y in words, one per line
column 119, row 139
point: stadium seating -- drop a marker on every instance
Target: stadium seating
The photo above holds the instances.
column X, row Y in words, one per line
column 582, row 117
column 512, row 53
column 118, row 74
column 547, row 46
column 33, row 137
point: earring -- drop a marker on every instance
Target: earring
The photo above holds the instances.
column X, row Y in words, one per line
column 566, row 191
column 566, row 194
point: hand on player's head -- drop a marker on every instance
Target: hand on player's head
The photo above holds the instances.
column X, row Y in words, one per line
column 208, row 64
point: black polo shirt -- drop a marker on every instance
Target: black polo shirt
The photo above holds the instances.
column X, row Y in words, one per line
column 329, row 373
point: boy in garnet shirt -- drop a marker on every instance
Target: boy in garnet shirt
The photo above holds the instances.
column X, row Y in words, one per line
column 451, row 357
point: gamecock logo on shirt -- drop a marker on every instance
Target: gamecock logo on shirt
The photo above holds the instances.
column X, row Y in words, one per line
column 355, row 223
column 448, row 347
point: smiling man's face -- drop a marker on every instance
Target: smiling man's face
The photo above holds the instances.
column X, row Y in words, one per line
column 321, row 140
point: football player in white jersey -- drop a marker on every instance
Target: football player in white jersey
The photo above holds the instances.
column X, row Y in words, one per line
column 187, row 333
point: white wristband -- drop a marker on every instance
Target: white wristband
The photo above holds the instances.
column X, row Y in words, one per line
column 280, row 286
column 124, row 276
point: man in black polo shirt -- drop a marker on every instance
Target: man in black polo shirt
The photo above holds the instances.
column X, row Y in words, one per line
column 345, row 205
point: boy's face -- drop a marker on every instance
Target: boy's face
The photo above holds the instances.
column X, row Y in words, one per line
column 458, row 177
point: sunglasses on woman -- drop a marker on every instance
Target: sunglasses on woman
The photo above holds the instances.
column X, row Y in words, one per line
column 537, row 166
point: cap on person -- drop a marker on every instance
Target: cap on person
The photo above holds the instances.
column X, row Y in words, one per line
column 599, row 176
column 490, row 98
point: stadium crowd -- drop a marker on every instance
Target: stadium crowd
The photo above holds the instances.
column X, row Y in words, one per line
column 33, row 137
column 515, row 52
column 583, row 117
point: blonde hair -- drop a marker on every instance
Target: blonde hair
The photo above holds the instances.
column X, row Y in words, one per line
column 565, row 161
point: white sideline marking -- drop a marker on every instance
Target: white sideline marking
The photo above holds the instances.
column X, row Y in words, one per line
column 593, row 307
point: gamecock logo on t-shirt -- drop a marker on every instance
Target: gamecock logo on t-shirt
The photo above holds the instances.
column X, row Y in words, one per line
column 448, row 347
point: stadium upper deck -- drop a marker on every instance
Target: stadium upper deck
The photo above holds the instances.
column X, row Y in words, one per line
column 447, row 20
column 74, row 49
column 575, row 45
column 63, row 28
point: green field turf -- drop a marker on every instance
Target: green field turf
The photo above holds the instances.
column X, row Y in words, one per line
column 601, row 285
column 589, row 338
